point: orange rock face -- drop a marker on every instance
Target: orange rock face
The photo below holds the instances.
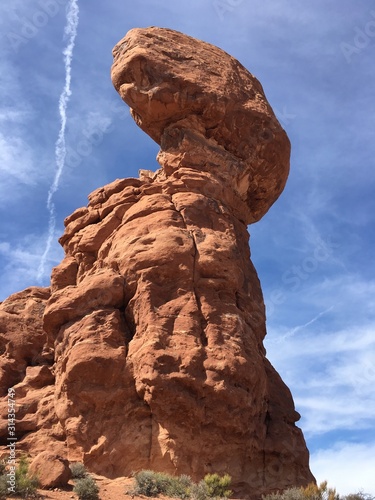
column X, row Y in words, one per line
column 51, row 470
column 156, row 317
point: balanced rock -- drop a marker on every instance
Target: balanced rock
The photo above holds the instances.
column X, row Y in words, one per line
column 207, row 112
column 156, row 314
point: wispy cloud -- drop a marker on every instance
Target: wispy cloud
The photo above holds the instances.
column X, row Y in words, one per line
column 15, row 161
column 19, row 261
column 72, row 18
column 17, row 167
column 352, row 294
column 328, row 360
column 350, row 466
column 331, row 373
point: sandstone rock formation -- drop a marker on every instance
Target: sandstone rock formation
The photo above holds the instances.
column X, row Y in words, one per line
column 155, row 317
column 51, row 470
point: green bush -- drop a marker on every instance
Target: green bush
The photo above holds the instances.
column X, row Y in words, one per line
column 86, row 488
column 289, row 494
column 3, row 480
column 316, row 492
column 151, row 484
column 25, row 485
column 359, row 496
column 78, row 470
column 3, row 487
column 218, row 487
column 319, row 492
column 199, row 491
column 179, row 487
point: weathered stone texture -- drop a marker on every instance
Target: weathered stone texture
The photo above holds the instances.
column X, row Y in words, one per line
column 51, row 470
column 156, row 317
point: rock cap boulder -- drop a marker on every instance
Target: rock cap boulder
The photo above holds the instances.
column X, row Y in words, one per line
column 174, row 83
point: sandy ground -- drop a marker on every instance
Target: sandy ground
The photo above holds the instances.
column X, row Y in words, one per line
column 110, row 489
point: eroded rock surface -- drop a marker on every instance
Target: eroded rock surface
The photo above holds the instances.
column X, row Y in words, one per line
column 51, row 470
column 156, row 316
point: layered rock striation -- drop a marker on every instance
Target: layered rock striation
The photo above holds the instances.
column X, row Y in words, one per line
column 147, row 349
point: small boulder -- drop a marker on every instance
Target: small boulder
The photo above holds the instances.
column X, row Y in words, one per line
column 52, row 470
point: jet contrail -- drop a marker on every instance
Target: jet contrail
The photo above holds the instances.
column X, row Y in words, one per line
column 301, row 327
column 60, row 147
column 296, row 329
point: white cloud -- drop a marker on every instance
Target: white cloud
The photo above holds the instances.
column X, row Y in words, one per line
column 15, row 162
column 328, row 360
column 349, row 467
column 19, row 263
column 13, row 115
column 331, row 374
column 349, row 293
column 97, row 120
column 19, row 169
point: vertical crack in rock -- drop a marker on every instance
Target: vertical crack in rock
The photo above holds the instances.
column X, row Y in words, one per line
column 195, row 276
column 203, row 335
column 188, row 390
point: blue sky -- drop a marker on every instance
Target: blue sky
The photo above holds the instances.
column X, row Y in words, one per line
column 313, row 250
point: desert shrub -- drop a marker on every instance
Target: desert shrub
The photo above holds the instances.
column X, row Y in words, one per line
column 78, row 470
column 3, row 487
column 25, row 485
column 289, row 494
column 179, row 487
column 319, row 492
column 86, row 488
column 218, row 487
column 150, row 483
column 359, row 496
column 310, row 492
column 199, row 491
column 3, row 480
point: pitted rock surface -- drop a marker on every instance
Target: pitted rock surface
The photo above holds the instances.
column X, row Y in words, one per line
column 155, row 317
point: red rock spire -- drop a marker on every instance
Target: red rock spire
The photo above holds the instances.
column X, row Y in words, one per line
column 156, row 314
